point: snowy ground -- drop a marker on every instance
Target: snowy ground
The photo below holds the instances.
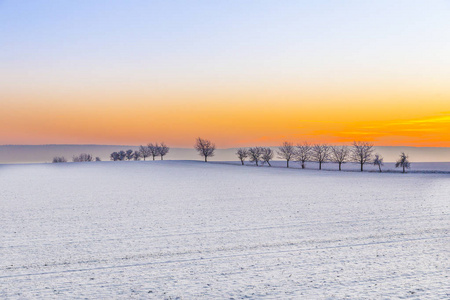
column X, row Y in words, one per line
column 416, row 167
column 194, row 230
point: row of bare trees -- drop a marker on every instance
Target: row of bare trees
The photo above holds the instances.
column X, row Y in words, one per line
column 154, row 150
column 359, row 152
column 256, row 155
column 151, row 150
column 83, row 157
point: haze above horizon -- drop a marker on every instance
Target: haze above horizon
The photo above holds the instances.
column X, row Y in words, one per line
column 236, row 72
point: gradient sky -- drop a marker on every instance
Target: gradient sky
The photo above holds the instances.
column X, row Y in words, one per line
column 238, row 72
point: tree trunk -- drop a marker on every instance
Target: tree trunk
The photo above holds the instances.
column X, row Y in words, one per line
column 256, row 163
column 340, row 166
column 320, row 165
column 206, row 158
column 287, row 163
column 242, row 161
column 379, row 167
column 153, row 157
column 303, row 165
column 403, row 168
column 269, row 163
column 162, row 157
column 362, row 167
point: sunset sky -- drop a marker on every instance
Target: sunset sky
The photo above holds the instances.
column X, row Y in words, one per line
column 240, row 73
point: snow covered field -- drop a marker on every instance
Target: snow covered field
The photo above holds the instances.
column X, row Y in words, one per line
column 194, row 230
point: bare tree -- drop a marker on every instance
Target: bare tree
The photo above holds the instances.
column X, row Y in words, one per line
column 129, row 154
column 59, row 159
column 320, row 153
column 303, row 153
column 266, row 155
column 137, row 155
column 339, row 154
column 83, row 157
column 378, row 161
column 403, row 162
column 205, row 148
column 254, row 154
column 154, row 149
column 287, row 152
column 98, row 159
column 242, row 154
column 163, row 150
column 145, row 151
column 362, row 153
column 122, row 155
column 114, row 156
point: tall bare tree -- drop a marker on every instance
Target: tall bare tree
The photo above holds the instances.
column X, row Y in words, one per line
column 362, row 153
column 154, row 149
column 205, row 148
column 286, row 151
column 403, row 162
column 266, row 155
column 320, row 153
column 378, row 161
column 303, row 153
column 254, row 154
column 163, row 150
column 145, row 152
column 339, row 154
column 242, row 154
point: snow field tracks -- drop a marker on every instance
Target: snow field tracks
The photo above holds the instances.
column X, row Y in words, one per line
column 194, row 230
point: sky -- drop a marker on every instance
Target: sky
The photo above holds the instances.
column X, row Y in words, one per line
column 240, row 73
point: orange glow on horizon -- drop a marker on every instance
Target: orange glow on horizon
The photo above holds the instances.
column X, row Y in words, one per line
column 230, row 119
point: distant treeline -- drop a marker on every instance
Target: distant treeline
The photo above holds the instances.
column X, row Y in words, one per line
column 153, row 150
column 359, row 152
column 80, row 158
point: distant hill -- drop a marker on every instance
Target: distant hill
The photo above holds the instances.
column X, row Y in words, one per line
column 44, row 153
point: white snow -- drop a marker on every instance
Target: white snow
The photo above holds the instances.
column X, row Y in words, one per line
column 195, row 230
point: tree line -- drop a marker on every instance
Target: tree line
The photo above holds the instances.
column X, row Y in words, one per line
column 83, row 157
column 359, row 152
column 151, row 150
